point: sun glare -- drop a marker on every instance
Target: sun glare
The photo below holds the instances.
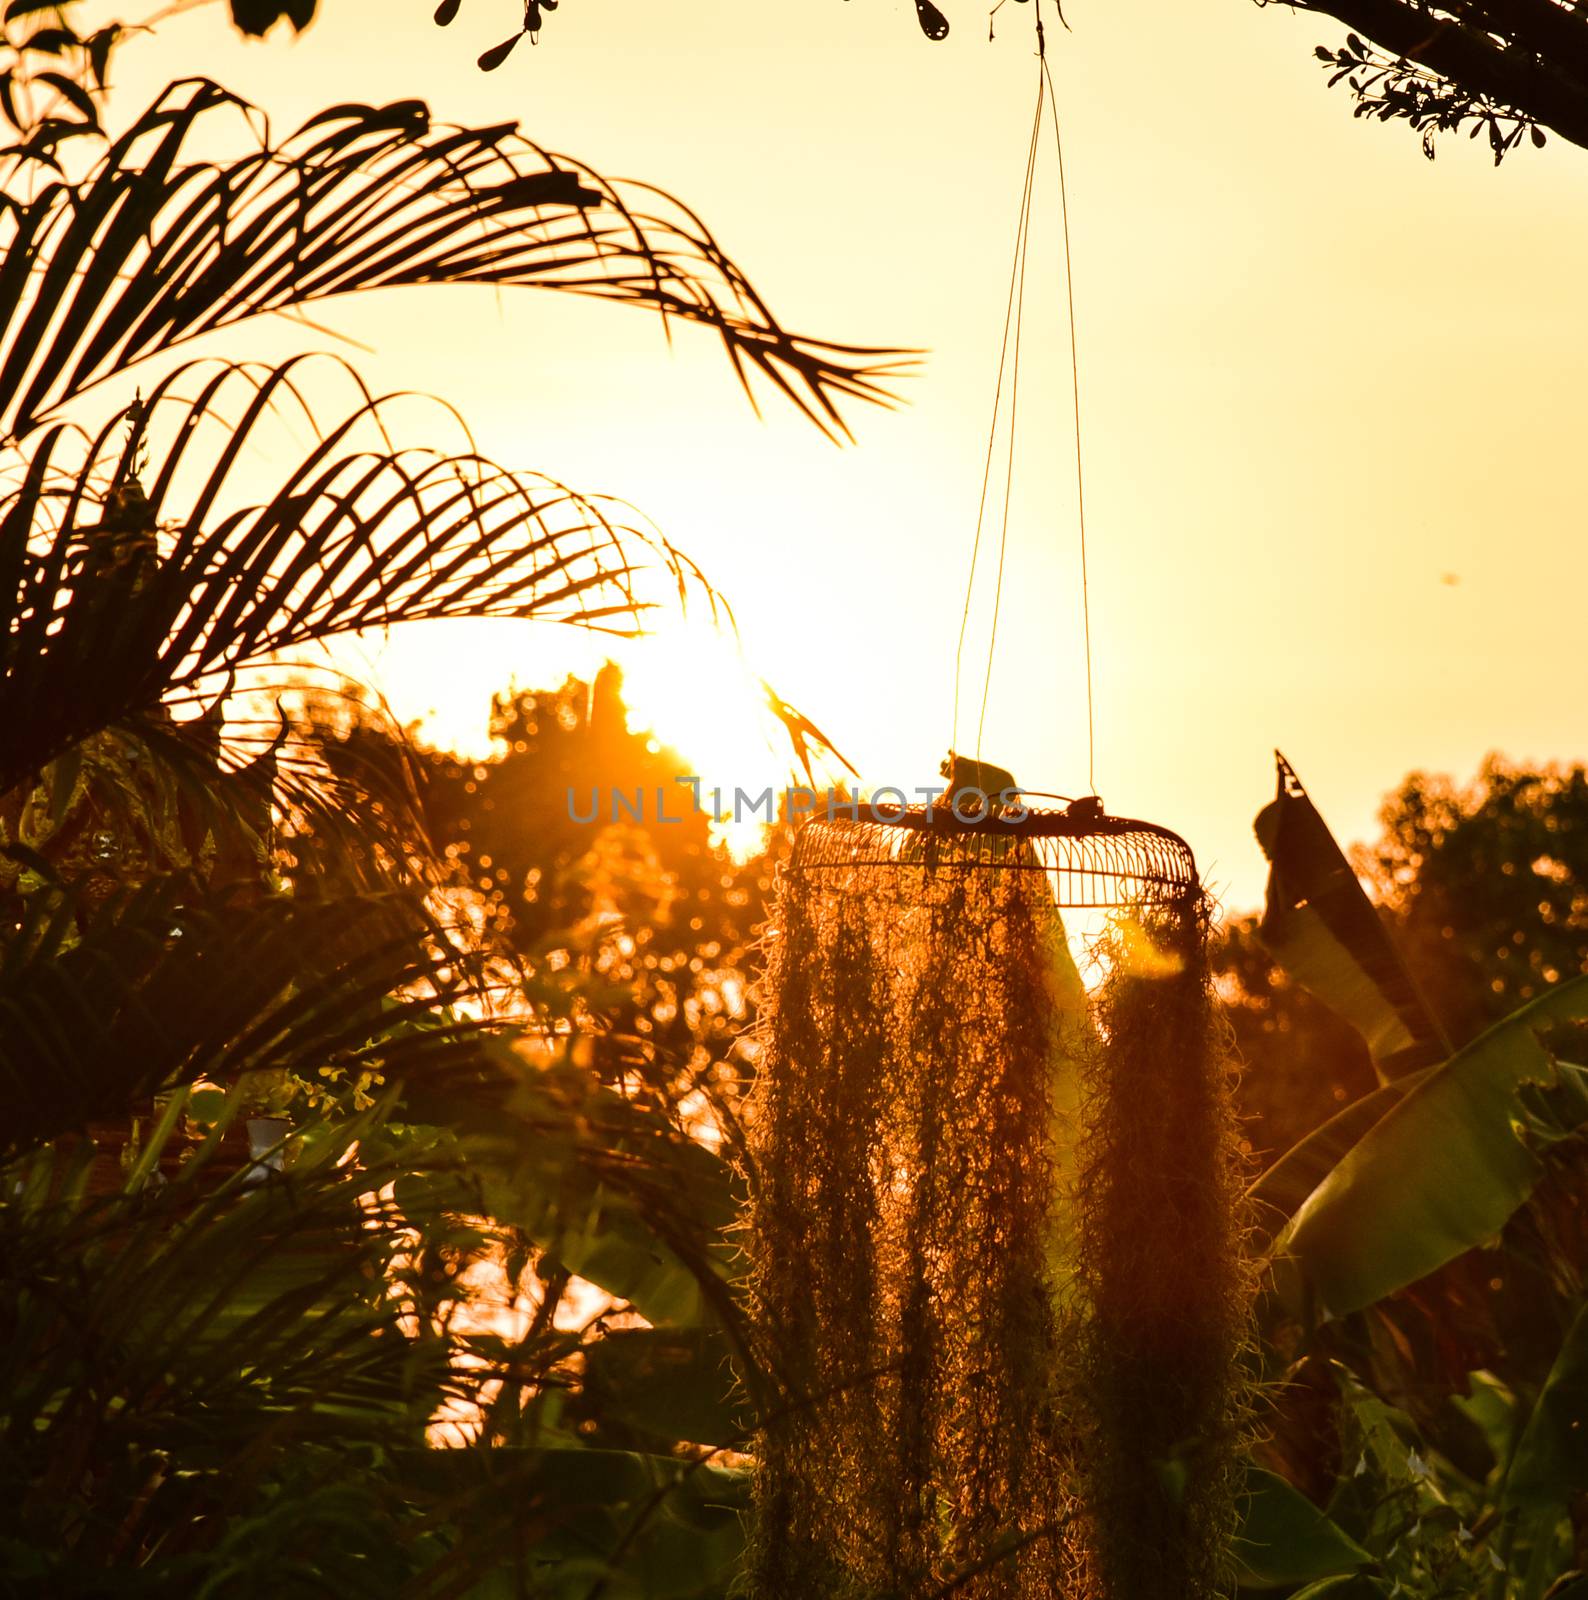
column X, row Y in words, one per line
column 689, row 685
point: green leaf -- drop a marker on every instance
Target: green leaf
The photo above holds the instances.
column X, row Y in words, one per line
column 1285, row 1186
column 1285, row 1539
column 592, row 1229
column 1551, row 1460
column 166, row 986
column 1441, row 1172
column 652, row 1526
column 239, row 1332
column 608, row 1191
column 612, row 1248
column 1388, row 1483
column 676, row 1383
column 1493, row 1409
column 1321, row 927
column 1356, row 1586
column 63, row 784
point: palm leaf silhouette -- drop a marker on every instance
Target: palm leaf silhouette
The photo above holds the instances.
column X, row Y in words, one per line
column 356, row 535
column 170, row 985
column 156, row 247
column 248, row 1331
column 203, row 1377
column 198, row 1374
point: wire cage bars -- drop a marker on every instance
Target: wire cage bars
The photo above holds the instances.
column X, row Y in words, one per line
column 1093, row 861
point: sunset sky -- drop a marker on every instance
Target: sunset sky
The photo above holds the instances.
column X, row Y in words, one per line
column 1332, row 391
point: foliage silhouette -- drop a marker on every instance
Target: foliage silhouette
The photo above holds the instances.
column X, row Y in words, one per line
column 1430, row 1255
column 1503, row 69
column 222, row 1358
column 1475, row 884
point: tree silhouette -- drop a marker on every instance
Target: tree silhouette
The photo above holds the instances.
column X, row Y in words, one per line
column 1481, row 886
column 1507, row 69
column 220, row 1375
column 557, row 841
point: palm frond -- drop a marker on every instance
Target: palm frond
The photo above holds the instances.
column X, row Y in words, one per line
column 164, row 987
column 200, row 1379
column 329, row 804
column 158, row 246
column 116, row 594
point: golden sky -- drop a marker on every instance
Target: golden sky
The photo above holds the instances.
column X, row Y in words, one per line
column 1321, row 377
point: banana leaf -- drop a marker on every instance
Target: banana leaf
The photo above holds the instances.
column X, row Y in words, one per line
column 1442, row 1171
column 1320, row 926
column 614, row 1196
column 1284, row 1539
column 1550, row 1465
column 675, row 1383
column 1285, row 1186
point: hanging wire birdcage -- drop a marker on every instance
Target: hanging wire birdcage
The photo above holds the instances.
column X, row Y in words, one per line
column 995, row 1262
column 1092, row 861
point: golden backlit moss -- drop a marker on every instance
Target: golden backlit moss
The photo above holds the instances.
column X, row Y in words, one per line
column 996, row 1266
column 1157, row 1389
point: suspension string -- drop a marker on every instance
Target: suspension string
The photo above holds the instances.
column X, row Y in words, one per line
column 1013, row 317
column 1024, row 238
column 1016, row 278
column 1075, row 388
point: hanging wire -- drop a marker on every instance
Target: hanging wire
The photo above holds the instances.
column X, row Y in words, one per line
column 1024, row 238
column 1013, row 315
column 1015, row 279
column 1075, row 389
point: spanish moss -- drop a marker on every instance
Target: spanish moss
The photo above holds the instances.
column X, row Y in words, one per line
column 903, row 1277
column 1158, row 1391
column 997, row 1271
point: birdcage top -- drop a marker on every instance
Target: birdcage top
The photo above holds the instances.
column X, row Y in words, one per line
column 1093, row 860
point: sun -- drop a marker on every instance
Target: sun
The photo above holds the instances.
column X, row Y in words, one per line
column 690, row 686
column 688, row 683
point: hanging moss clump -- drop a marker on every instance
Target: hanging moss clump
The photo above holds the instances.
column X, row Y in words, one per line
column 997, row 1273
column 902, row 1283
column 1157, row 1395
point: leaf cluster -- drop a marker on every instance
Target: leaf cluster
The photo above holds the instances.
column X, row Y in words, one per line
column 1428, row 1268
column 53, row 82
column 1387, row 87
column 233, row 1343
